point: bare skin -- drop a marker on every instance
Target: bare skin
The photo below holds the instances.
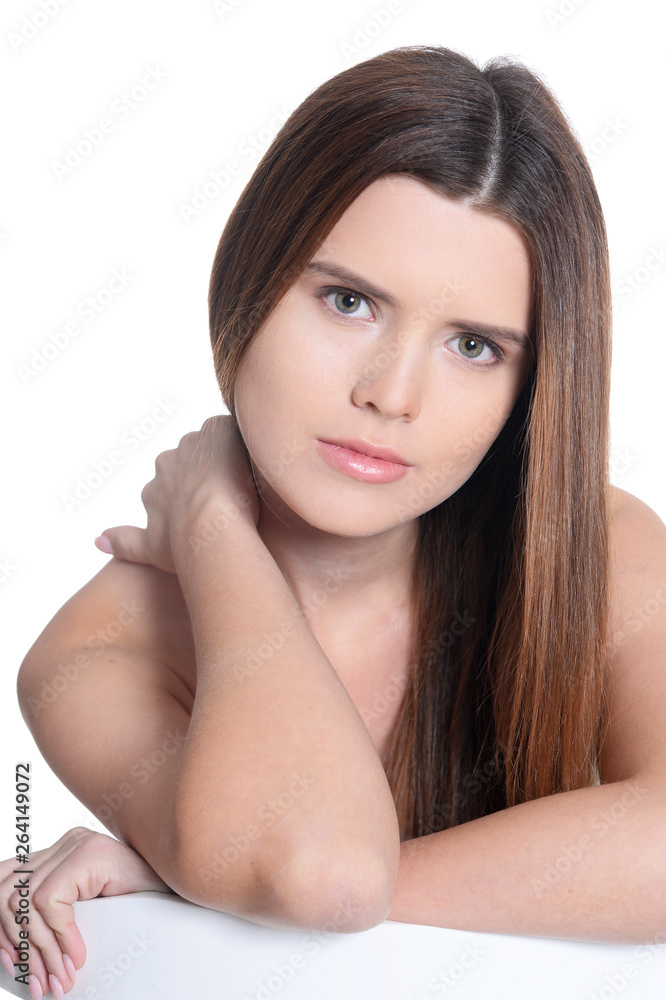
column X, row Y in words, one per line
column 312, row 372
column 74, row 867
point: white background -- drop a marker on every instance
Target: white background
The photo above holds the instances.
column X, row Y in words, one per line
column 227, row 78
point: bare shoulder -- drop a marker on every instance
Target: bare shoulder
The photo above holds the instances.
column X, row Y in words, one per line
column 104, row 691
column 124, row 606
column 637, row 669
column 626, row 504
column 637, row 535
column 637, row 563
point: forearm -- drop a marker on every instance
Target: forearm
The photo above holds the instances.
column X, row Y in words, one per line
column 585, row 865
column 280, row 784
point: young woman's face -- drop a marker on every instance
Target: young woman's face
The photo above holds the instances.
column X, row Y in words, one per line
column 388, row 354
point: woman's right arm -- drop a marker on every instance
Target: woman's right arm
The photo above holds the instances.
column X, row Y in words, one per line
column 106, row 709
column 276, row 806
column 107, row 691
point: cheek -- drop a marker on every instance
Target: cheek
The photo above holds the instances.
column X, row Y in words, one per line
column 467, row 424
column 272, row 408
column 293, row 364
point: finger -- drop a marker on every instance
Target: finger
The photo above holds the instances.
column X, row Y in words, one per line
column 101, row 867
column 46, row 956
column 104, row 544
column 9, row 950
column 54, row 903
column 125, row 542
column 108, row 869
column 43, row 958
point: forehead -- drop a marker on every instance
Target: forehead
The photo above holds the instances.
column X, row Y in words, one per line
column 416, row 242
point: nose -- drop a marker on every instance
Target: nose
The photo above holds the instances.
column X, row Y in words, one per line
column 391, row 378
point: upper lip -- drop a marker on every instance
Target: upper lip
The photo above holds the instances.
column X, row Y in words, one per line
column 369, row 449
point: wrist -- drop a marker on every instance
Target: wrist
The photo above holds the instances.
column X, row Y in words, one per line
column 217, row 521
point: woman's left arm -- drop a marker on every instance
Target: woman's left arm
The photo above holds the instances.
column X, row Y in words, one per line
column 587, row 864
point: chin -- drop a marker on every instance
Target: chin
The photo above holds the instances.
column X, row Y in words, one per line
column 347, row 519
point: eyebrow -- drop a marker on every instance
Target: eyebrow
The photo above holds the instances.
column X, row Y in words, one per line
column 360, row 284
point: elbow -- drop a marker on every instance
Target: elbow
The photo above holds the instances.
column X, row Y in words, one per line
column 340, row 896
column 26, row 691
column 307, row 894
column 33, row 693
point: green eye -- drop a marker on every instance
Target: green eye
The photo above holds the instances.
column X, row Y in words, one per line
column 471, row 347
column 347, row 302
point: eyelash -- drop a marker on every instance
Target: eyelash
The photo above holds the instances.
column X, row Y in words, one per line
column 495, row 348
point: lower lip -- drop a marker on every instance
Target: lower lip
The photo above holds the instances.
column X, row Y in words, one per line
column 352, row 463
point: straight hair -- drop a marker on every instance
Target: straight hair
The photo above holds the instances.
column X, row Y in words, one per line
column 506, row 698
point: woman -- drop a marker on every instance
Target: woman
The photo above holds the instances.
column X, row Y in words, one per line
column 369, row 655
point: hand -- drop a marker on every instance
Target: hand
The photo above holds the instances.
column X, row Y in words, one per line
column 208, row 477
column 81, row 865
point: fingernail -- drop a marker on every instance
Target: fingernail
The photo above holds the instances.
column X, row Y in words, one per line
column 56, row 988
column 35, row 988
column 104, row 544
column 69, row 965
column 5, row 958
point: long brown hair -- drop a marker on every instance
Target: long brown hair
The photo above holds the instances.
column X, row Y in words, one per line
column 510, row 705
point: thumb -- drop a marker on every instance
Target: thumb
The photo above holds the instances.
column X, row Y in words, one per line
column 125, row 542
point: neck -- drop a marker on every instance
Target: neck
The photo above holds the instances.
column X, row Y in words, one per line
column 333, row 575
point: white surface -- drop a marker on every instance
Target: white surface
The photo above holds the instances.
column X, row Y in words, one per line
column 152, row 946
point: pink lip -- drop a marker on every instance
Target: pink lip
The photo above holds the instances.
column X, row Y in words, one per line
column 345, row 458
column 369, row 450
